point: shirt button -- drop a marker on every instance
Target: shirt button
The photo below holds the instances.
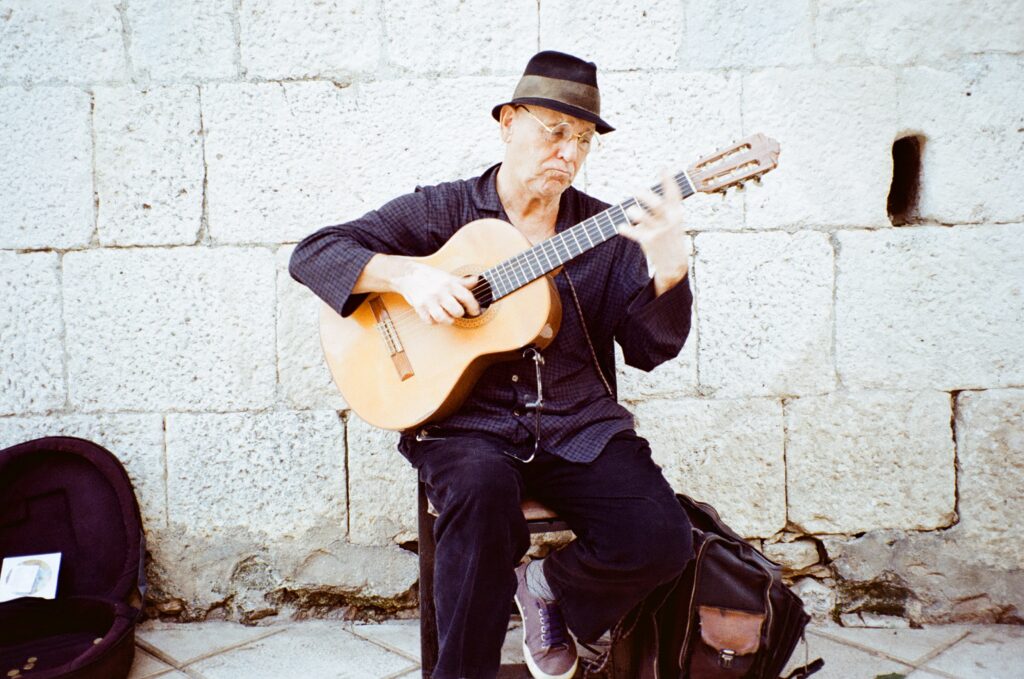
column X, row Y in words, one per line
column 515, row 378
column 517, row 412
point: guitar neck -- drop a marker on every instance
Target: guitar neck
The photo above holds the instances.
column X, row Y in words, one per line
column 546, row 256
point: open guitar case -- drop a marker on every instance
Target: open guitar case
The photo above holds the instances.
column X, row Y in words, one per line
column 68, row 495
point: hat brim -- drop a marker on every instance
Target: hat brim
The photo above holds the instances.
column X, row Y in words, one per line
column 562, row 107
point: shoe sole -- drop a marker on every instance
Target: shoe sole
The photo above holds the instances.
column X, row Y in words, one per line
column 535, row 671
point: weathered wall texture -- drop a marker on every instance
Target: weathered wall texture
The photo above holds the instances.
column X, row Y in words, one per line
column 852, row 393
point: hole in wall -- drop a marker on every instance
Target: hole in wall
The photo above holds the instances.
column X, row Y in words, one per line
column 906, row 180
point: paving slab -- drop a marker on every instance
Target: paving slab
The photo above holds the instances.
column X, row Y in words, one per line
column 186, row 643
column 912, row 646
column 844, row 662
column 146, row 666
column 989, row 652
column 321, row 649
column 929, row 674
column 390, row 650
column 399, row 636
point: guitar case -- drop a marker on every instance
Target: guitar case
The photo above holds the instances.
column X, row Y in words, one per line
column 68, row 495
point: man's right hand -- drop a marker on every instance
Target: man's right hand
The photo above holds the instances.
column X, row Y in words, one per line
column 436, row 295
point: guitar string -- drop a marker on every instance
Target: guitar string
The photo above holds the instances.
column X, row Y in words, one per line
column 527, row 269
column 404, row 330
column 409, row 331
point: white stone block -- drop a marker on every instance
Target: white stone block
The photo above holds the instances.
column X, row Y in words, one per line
column 149, row 165
column 973, row 156
column 323, row 161
column 617, row 36
column 765, row 313
column 46, row 175
column 401, row 147
column 906, row 31
column 188, row 40
column 170, row 328
column 836, row 128
column 137, row 440
column 461, row 37
column 77, row 42
column 795, row 556
column 666, row 121
column 741, row 34
column 864, row 460
column 336, row 39
column 275, row 478
column 818, row 598
column 367, row 572
column 990, row 465
column 297, row 178
column 31, row 342
column 931, row 307
column 727, row 453
column 301, row 369
column 382, row 487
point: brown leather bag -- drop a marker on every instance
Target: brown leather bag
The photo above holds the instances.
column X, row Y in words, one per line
column 727, row 616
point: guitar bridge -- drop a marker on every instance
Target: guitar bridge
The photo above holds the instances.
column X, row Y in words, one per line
column 392, row 342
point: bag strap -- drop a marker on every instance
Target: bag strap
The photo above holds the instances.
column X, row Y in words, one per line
column 806, row 670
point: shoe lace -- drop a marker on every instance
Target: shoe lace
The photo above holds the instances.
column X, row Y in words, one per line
column 553, row 631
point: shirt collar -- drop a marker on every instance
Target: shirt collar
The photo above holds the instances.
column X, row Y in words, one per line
column 485, row 191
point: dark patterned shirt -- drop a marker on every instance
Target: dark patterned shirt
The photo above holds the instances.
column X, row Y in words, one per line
column 611, row 280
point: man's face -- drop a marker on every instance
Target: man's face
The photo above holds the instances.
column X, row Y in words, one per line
column 545, row 147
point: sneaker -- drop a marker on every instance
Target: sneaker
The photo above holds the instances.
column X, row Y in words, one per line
column 549, row 650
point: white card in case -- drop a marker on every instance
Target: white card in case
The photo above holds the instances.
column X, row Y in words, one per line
column 34, row 575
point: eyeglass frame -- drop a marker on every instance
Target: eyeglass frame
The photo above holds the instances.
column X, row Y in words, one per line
column 589, row 137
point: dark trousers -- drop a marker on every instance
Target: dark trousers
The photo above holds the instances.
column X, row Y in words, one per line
column 632, row 535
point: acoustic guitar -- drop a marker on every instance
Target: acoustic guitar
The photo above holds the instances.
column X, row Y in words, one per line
column 397, row 371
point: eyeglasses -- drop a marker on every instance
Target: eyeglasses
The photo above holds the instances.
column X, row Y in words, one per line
column 562, row 132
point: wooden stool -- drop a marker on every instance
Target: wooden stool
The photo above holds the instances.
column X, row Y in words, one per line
column 539, row 518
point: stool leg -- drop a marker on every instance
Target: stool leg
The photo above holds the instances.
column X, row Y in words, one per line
column 428, row 619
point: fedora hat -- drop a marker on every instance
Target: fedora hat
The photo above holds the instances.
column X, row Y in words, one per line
column 561, row 82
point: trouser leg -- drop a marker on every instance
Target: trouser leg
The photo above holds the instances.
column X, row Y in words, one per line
column 480, row 536
column 631, row 533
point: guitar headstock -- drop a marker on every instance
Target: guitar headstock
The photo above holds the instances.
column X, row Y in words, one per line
column 745, row 160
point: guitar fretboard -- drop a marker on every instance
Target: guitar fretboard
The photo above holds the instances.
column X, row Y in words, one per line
column 546, row 256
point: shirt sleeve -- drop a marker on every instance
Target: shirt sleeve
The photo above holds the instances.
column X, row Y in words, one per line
column 330, row 260
column 652, row 329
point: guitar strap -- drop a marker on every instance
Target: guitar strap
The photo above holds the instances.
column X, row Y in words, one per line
column 586, row 333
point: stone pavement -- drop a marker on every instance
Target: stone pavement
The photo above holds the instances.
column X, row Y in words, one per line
column 340, row 650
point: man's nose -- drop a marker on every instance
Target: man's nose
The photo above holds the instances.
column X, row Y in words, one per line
column 569, row 149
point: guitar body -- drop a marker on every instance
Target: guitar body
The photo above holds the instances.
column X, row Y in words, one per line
column 398, row 372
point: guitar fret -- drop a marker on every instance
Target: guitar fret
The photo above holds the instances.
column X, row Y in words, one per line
column 622, row 213
column 586, row 232
column 520, row 275
column 532, row 253
column 547, row 256
column 563, row 258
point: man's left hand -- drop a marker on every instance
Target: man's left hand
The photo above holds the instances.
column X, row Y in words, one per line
column 657, row 227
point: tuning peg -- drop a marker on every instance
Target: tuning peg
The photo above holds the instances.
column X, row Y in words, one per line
column 757, row 180
column 739, row 186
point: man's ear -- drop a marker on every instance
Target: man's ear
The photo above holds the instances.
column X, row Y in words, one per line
column 505, row 117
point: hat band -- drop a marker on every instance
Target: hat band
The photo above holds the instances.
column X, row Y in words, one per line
column 577, row 94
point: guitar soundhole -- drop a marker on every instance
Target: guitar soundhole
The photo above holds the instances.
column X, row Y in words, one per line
column 482, row 293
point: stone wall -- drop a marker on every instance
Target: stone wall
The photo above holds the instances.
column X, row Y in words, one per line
column 851, row 396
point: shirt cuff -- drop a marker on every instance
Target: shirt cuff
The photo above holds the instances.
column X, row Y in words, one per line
column 667, row 310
